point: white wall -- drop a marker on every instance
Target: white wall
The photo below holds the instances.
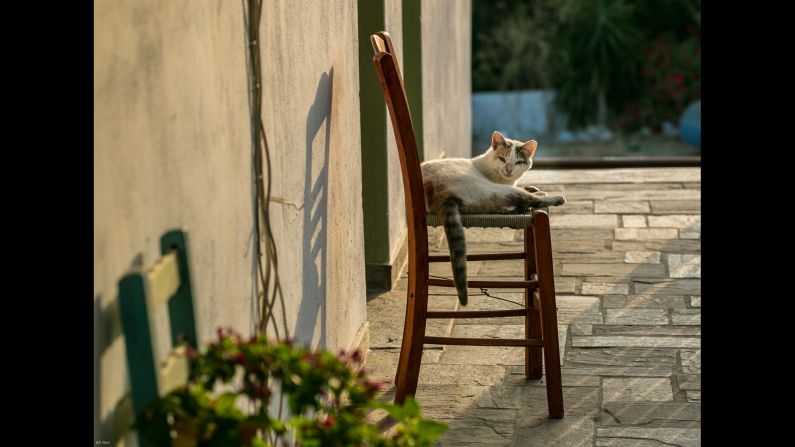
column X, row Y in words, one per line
column 447, row 77
column 172, row 149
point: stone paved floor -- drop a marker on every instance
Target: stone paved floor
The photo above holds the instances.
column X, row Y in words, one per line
column 627, row 249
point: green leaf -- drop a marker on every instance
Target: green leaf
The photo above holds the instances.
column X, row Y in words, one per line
column 431, row 430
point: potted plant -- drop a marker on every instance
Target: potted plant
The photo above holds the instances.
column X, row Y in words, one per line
column 328, row 398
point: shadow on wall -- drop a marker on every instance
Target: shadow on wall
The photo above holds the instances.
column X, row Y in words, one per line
column 315, row 223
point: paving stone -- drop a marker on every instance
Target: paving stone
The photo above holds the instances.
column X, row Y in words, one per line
column 599, row 288
column 579, row 247
column 578, row 400
column 488, row 235
column 622, row 358
column 631, row 316
column 636, row 389
column 633, row 221
column 614, row 371
column 621, row 207
column 570, row 431
column 695, row 301
column 383, row 364
column 644, row 301
column 642, row 257
column 575, row 207
column 676, row 206
column 689, row 382
column 647, row 437
column 564, row 285
column 581, row 329
column 492, row 355
column 634, row 176
column 583, row 221
column 684, row 265
column 639, row 342
column 634, row 195
column 648, row 330
column 578, row 234
column 693, row 396
column 578, row 309
column 605, row 256
column 668, row 287
column 570, row 378
column 620, row 270
column 691, row 361
column 689, row 222
column 689, row 235
column 487, row 427
column 645, row 413
column 631, row 234
column 686, row 317
column 665, row 246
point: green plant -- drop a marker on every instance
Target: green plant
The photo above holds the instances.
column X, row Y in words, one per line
column 598, row 59
column 328, row 398
column 671, row 76
column 513, row 43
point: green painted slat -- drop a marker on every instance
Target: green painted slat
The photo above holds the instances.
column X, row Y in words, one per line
column 137, row 337
column 375, row 202
column 412, row 66
column 180, row 307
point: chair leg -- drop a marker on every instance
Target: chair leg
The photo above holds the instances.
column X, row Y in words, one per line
column 546, row 286
column 408, row 371
column 532, row 321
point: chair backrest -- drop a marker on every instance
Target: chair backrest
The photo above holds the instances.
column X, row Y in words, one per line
column 391, row 80
column 141, row 294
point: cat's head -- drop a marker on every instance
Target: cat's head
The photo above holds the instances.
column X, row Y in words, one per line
column 510, row 158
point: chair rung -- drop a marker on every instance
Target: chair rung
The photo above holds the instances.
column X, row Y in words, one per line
column 486, row 284
column 483, row 341
column 477, row 313
column 479, row 257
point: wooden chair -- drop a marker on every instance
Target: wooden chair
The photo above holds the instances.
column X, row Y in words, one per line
column 541, row 329
column 140, row 296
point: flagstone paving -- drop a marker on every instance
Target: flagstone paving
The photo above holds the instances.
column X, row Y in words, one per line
column 627, row 250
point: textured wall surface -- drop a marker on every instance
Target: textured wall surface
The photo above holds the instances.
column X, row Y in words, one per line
column 172, row 148
column 446, row 77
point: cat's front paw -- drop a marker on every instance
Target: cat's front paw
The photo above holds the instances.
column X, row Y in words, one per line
column 556, row 200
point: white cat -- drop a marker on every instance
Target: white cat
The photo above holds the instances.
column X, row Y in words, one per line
column 481, row 185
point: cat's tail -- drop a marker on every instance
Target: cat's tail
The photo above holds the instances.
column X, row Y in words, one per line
column 454, row 230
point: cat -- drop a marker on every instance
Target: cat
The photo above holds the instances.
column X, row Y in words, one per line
column 480, row 185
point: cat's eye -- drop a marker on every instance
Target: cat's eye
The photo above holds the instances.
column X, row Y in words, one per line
column 521, row 162
column 501, row 159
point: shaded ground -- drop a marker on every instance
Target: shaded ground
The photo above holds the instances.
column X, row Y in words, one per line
column 632, row 145
column 627, row 270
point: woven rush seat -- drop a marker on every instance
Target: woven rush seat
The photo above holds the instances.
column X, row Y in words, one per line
column 515, row 221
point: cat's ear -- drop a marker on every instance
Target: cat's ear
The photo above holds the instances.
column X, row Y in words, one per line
column 529, row 148
column 497, row 140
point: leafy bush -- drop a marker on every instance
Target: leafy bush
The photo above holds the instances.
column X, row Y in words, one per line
column 513, row 43
column 616, row 62
column 671, row 77
column 328, row 397
column 598, row 61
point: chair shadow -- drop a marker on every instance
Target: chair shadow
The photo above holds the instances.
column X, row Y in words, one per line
column 315, row 219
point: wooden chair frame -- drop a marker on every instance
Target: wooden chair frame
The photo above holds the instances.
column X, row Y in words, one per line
column 541, row 329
